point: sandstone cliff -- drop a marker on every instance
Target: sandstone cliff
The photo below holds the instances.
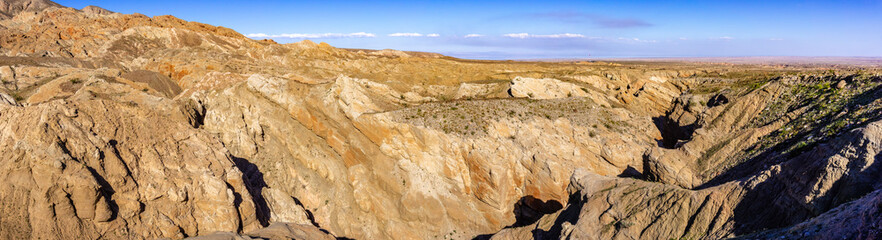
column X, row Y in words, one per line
column 129, row 126
column 840, row 171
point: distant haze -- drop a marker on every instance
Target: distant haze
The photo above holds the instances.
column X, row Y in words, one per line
column 548, row 29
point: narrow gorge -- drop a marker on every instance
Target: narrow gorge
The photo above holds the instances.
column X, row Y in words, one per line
column 123, row 126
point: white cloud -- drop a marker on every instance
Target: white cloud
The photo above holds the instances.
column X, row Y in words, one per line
column 683, row 39
column 726, row 38
column 517, row 35
column 256, row 35
column 406, row 35
column 636, row 40
column 527, row 35
column 473, row 35
column 414, row 35
column 313, row 35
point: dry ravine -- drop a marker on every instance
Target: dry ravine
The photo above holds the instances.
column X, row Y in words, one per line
column 116, row 126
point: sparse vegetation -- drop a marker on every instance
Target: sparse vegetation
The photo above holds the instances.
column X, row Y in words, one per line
column 829, row 111
column 472, row 118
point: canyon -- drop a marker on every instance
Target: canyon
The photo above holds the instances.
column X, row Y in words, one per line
column 127, row 126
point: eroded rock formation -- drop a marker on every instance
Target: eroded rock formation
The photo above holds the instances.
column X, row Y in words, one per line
column 128, row 126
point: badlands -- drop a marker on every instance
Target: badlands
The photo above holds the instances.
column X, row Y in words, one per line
column 124, row 126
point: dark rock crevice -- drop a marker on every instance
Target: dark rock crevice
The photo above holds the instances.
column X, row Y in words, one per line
column 195, row 111
column 529, row 209
column 255, row 184
column 673, row 135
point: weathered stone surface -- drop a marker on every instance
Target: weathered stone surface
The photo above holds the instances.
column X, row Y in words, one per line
column 126, row 126
column 544, row 88
column 274, row 231
column 859, row 219
column 96, row 10
column 91, row 166
column 615, row 208
column 718, row 132
column 10, row 8
column 6, row 99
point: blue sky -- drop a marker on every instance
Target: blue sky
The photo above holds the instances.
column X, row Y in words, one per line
column 547, row 29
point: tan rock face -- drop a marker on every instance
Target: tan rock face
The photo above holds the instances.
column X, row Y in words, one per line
column 614, row 208
column 715, row 133
column 96, row 10
column 274, row 231
column 125, row 126
column 90, row 165
column 10, row 8
column 544, row 88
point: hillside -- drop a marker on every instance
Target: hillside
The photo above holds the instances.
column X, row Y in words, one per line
column 10, row 8
column 128, row 126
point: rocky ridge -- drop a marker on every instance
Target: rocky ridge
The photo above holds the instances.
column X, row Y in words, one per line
column 128, row 126
column 10, row 8
column 616, row 208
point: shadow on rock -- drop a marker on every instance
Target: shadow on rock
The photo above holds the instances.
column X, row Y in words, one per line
column 569, row 215
column 815, row 181
column 529, row 209
column 255, row 184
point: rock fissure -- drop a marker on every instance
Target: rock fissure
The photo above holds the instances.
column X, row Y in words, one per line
column 128, row 126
